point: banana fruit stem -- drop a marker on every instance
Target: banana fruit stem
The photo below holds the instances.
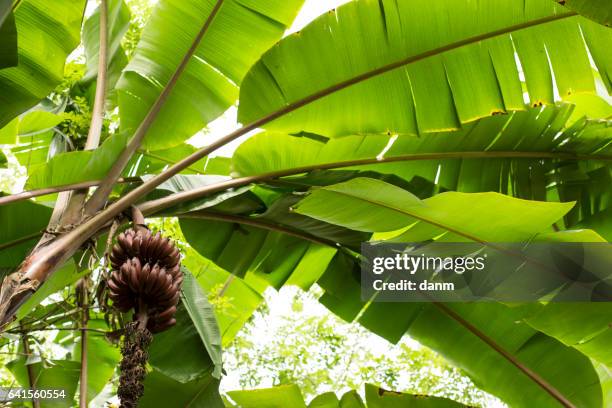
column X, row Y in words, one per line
column 142, row 315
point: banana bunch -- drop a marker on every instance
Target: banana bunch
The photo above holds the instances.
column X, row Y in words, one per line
column 146, row 271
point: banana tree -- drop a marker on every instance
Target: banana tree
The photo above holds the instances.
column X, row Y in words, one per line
column 481, row 121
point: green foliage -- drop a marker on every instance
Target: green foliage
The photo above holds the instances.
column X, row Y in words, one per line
column 163, row 391
column 233, row 299
column 209, row 85
column 442, row 89
column 583, row 326
column 22, row 224
column 101, row 356
column 57, row 374
column 375, row 206
column 76, row 119
column 48, row 32
column 598, row 10
column 467, row 79
column 562, row 129
column 292, row 340
column 376, row 397
column 269, row 398
column 8, row 35
column 141, row 12
column 65, row 276
column 202, row 315
column 183, row 361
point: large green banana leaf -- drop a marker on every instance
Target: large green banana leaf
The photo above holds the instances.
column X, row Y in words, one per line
column 432, row 87
column 6, row 7
column 27, row 128
column 560, row 365
column 376, row 206
column 371, row 205
column 48, row 32
column 72, row 167
column 202, row 315
column 268, row 258
column 163, row 391
column 284, row 395
column 330, row 400
column 64, row 168
column 8, row 35
column 605, row 375
column 234, row 299
column 22, row 225
column 379, row 398
column 240, row 32
column 545, row 130
column 277, row 246
column 33, row 139
column 50, row 375
column 290, row 396
column 598, row 10
column 584, row 326
column 343, row 296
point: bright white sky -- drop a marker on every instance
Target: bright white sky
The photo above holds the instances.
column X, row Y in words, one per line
column 311, row 10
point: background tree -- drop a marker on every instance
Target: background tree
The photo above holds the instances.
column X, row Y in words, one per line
column 291, row 339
